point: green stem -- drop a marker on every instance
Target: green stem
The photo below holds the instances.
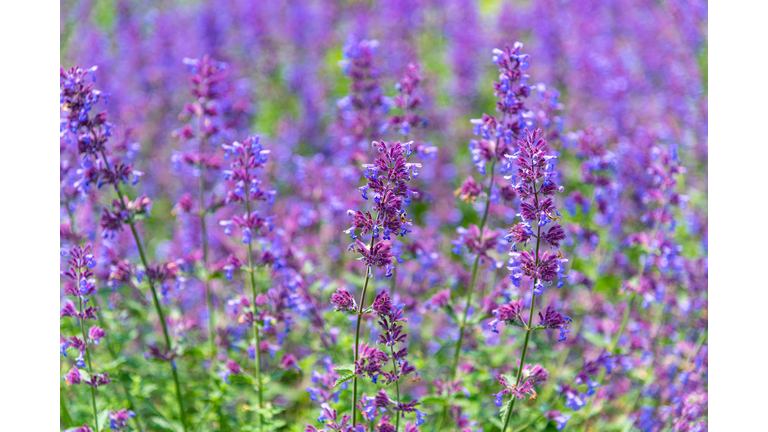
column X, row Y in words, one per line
column 393, row 283
column 202, row 211
column 397, row 385
column 257, row 351
column 90, row 368
column 159, row 310
column 624, row 321
column 369, row 270
column 511, row 405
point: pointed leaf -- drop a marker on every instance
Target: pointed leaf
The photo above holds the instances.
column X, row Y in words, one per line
column 241, row 379
column 345, row 368
column 434, row 400
column 343, row 379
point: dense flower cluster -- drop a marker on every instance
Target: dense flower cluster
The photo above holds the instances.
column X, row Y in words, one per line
column 532, row 375
column 81, row 285
column 388, row 179
column 244, row 187
column 363, row 110
column 498, row 135
column 535, row 185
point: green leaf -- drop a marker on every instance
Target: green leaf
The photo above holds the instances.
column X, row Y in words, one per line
column 504, row 409
column 103, row 418
column 345, row 368
column 114, row 364
column 343, row 379
column 241, row 379
column 497, row 422
column 434, row 400
column 166, row 425
column 449, row 309
column 477, row 319
column 510, row 379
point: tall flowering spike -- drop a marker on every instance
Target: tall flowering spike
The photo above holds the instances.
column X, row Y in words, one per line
column 407, row 101
column 244, row 189
column 387, row 183
column 87, row 132
column 496, row 139
column 243, row 185
column 498, row 135
column 103, row 165
column 362, row 111
column 531, row 170
column 535, row 184
column 203, row 115
column 81, row 284
column 77, row 98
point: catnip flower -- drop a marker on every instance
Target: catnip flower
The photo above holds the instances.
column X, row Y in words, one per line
column 407, row 100
column 80, row 285
column 118, row 420
column 560, row 419
column 553, row 320
column 531, row 375
column 323, row 389
column 343, row 301
column 509, row 314
column 469, row 190
column 362, row 111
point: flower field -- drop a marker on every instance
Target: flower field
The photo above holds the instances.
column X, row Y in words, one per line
column 383, row 216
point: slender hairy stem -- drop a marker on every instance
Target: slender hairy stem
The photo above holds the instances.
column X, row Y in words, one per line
column 90, row 368
column 624, row 321
column 393, row 283
column 257, row 342
column 202, row 211
column 369, row 270
column 511, row 404
column 397, row 385
column 155, row 299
